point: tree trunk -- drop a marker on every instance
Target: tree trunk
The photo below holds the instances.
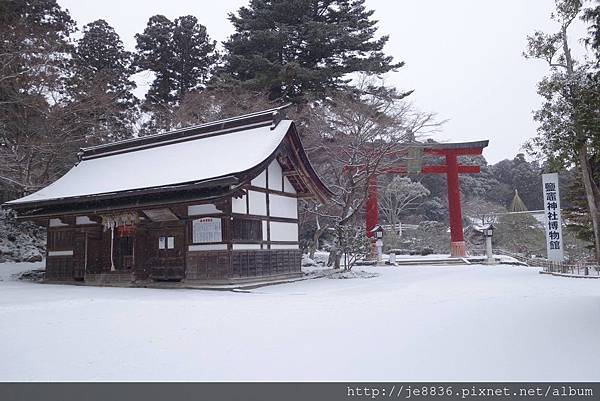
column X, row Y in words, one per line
column 588, row 184
column 316, row 239
column 311, row 250
column 591, row 190
column 334, row 259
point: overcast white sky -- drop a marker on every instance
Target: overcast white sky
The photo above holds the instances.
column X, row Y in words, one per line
column 463, row 57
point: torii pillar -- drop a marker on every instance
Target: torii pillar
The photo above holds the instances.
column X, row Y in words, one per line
column 372, row 207
column 450, row 152
column 452, row 169
column 457, row 241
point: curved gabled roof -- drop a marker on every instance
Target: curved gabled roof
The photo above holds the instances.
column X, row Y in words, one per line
column 191, row 156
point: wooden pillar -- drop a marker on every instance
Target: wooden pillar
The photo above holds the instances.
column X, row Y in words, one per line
column 112, row 247
column 457, row 243
column 372, row 213
column 372, row 206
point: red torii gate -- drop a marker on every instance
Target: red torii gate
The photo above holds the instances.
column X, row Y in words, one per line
column 451, row 152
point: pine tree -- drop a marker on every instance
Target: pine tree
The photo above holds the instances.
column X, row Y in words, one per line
column 591, row 15
column 179, row 53
column 194, row 55
column 291, row 47
column 155, row 53
column 100, row 85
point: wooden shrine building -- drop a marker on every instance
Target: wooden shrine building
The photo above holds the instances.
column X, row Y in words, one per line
column 213, row 203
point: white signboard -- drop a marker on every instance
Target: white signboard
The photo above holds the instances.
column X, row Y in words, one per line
column 207, row 229
column 554, row 238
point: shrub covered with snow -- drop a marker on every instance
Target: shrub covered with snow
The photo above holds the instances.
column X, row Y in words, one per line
column 346, row 274
column 20, row 241
column 307, row 261
column 320, row 259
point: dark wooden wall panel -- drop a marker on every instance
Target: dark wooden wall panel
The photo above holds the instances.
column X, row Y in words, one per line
column 140, row 254
column 173, row 264
column 207, row 265
column 264, row 263
column 59, row 268
column 79, row 255
column 98, row 251
column 60, row 239
column 247, row 229
column 165, row 264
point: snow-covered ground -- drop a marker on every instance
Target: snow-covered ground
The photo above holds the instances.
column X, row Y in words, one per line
column 405, row 323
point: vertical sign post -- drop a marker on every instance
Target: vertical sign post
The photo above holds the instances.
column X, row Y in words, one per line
column 554, row 239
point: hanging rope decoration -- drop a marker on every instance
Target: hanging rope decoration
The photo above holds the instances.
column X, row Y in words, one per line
column 112, row 221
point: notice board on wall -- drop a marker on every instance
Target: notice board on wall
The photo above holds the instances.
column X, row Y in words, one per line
column 206, row 230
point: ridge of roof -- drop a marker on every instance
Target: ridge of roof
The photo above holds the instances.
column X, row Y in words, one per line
column 219, row 127
column 110, row 179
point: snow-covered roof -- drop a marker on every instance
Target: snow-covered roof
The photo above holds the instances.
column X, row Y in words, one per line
column 165, row 164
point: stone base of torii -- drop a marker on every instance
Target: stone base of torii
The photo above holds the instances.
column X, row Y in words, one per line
column 452, row 168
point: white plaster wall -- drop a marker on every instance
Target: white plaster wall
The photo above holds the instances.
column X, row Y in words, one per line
column 279, row 246
column 81, row 220
column 198, row 210
column 264, row 230
column 284, row 231
column 257, row 203
column 210, row 247
column 246, row 246
column 283, row 206
column 260, row 181
column 56, row 223
column 287, row 186
column 60, row 253
column 275, row 176
column 238, row 205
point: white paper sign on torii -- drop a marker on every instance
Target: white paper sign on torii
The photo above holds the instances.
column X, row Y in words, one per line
column 554, row 238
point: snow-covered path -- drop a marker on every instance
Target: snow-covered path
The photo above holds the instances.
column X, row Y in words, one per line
column 409, row 323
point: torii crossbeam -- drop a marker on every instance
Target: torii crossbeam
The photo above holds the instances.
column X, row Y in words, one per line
column 450, row 152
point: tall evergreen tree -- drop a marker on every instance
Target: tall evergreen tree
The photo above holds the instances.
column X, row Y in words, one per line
column 154, row 52
column 291, row 47
column 100, row 85
column 34, row 48
column 179, row 53
column 591, row 15
column 568, row 132
column 195, row 55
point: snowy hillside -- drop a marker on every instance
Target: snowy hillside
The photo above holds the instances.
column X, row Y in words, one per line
column 503, row 323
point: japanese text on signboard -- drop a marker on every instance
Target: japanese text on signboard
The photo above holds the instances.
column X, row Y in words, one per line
column 554, row 241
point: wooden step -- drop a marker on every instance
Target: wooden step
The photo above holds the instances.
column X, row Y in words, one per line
column 436, row 262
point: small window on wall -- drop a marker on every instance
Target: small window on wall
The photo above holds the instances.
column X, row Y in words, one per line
column 60, row 239
column 247, row 229
column 166, row 242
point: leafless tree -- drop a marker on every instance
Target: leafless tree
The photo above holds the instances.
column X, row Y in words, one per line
column 216, row 104
column 482, row 211
column 351, row 138
column 400, row 195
